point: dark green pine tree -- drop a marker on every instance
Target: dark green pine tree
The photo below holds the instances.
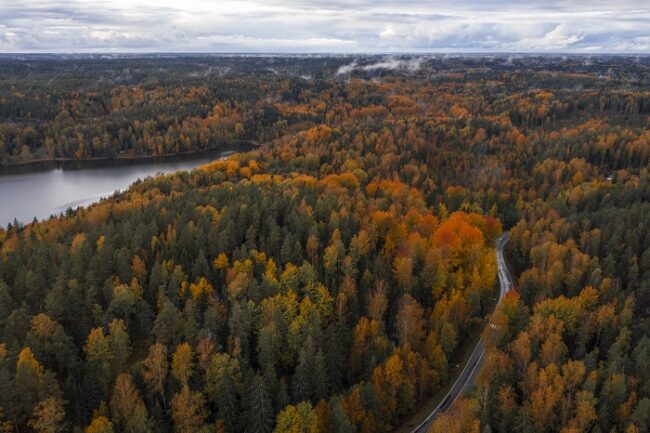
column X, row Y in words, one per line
column 259, row 411
column 7, row 390
column 303, row 378
column 192, row 322
column 251, row 235
column 167, row 327
column 640, row 356
column 286, row 251
column 339, row 421
column 272, row 383
column 6, row 302
column 336, row 353
column 200, row 267
column 158, row 279
column 226, row 401
column 321, row 385
column 282, row 399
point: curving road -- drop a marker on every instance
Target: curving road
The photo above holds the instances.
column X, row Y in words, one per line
column 475, row 361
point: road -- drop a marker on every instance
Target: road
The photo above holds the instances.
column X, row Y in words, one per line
column 471, row 369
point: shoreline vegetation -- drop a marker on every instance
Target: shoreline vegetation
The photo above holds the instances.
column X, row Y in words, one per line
column 8, row 168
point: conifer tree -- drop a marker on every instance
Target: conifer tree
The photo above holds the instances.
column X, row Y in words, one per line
column 258, row 416
column 303, row 379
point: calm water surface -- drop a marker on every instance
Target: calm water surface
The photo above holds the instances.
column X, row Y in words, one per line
column 59, row 186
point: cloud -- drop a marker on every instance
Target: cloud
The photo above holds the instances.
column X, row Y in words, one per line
column 324, row 26
column 560, row 38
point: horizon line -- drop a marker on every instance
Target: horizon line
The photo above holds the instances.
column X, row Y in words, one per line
column 338, row 53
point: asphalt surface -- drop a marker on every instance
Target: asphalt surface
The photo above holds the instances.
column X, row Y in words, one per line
column 475, row 361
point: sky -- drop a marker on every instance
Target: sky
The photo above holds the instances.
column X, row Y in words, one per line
column 318, row 26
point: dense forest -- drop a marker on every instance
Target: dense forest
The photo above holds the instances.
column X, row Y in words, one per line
column 329, row 280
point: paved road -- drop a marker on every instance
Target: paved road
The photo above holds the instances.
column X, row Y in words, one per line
column 475, row 361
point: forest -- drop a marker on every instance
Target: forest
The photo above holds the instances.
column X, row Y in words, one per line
column 330, row 279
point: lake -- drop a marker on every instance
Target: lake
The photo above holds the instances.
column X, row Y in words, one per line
column 57, row 186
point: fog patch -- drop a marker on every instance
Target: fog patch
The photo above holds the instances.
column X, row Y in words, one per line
column 409, row 65
column 394, row 64
column 347, row 69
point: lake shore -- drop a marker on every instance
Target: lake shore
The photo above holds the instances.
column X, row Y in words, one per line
column 52, row 188
column 73, row 163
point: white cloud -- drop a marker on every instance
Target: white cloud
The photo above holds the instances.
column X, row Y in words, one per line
column 320, row 25
column 558, row 39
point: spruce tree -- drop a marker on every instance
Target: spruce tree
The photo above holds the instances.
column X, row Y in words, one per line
column 338, row 419
column 226, row 401
column 320, row 380
column 303, row 379
column 259, row 411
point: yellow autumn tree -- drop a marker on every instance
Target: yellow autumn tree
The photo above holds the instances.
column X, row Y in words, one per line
column 48, row 416
column 100, row 424
column 300, row 418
